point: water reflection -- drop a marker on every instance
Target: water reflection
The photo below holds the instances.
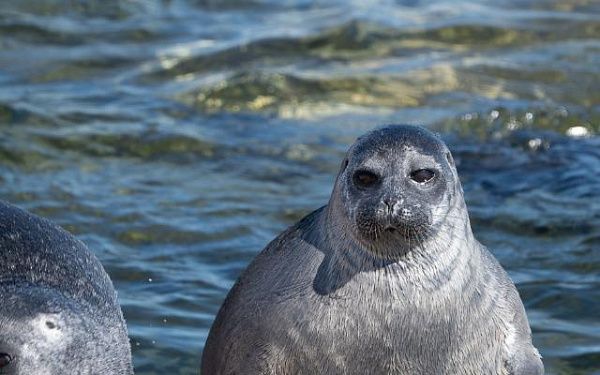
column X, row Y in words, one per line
column 176, row 138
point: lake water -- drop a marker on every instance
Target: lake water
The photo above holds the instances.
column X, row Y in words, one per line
column 177, row 138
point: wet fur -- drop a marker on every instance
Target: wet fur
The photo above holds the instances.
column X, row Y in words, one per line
column 325, row 298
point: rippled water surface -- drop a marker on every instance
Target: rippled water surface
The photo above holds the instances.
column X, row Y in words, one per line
column 176, row 138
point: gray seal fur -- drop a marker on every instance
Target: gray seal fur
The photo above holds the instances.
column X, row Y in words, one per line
column 58, row 309
column 386, row 279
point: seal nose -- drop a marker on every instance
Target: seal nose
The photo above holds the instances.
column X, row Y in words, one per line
column 395, row 212
column 392, row 204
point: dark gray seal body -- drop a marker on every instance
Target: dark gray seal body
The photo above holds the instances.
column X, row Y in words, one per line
column 385, row 279
column 58, row 309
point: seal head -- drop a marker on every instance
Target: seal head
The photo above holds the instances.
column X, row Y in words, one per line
column 395, row 189
column 45, row 332
column 59, row 312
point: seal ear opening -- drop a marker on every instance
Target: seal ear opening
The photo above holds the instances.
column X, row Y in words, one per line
column 450, row 159
column 344, row 165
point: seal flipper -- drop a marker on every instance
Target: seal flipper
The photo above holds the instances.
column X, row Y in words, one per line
column 527, row 363
column 331, row 275
column 524, row 359
column 340, row 267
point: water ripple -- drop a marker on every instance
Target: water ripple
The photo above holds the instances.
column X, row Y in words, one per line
column 177, row 138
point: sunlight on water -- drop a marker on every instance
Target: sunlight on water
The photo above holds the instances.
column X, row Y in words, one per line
column 177, row 138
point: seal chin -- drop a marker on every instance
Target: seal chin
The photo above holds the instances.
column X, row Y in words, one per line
column 390, row 229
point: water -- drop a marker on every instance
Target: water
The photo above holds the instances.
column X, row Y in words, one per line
column 176, row 138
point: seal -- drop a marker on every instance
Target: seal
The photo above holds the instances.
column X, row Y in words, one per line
column 386, row 279
column 59, row 312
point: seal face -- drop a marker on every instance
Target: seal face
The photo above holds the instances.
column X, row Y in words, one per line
column 386, row 279
column 396, row 188
column 59, row 312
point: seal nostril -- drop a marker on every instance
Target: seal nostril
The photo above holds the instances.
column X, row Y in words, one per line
column 389, row 204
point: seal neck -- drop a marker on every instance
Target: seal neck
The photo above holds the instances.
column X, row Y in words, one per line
column 345, row 257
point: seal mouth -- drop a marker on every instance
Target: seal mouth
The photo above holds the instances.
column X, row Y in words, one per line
column 390, row 229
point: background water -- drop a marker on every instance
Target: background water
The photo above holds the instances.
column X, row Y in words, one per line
column 176, row 138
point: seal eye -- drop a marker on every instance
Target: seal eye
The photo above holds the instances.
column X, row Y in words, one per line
column 422, row 175
column 5, row 360
column 364, row 178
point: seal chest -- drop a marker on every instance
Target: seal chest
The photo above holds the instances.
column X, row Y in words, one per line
column 387, row 278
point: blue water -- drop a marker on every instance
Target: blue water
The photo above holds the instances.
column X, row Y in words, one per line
column 177, row 138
